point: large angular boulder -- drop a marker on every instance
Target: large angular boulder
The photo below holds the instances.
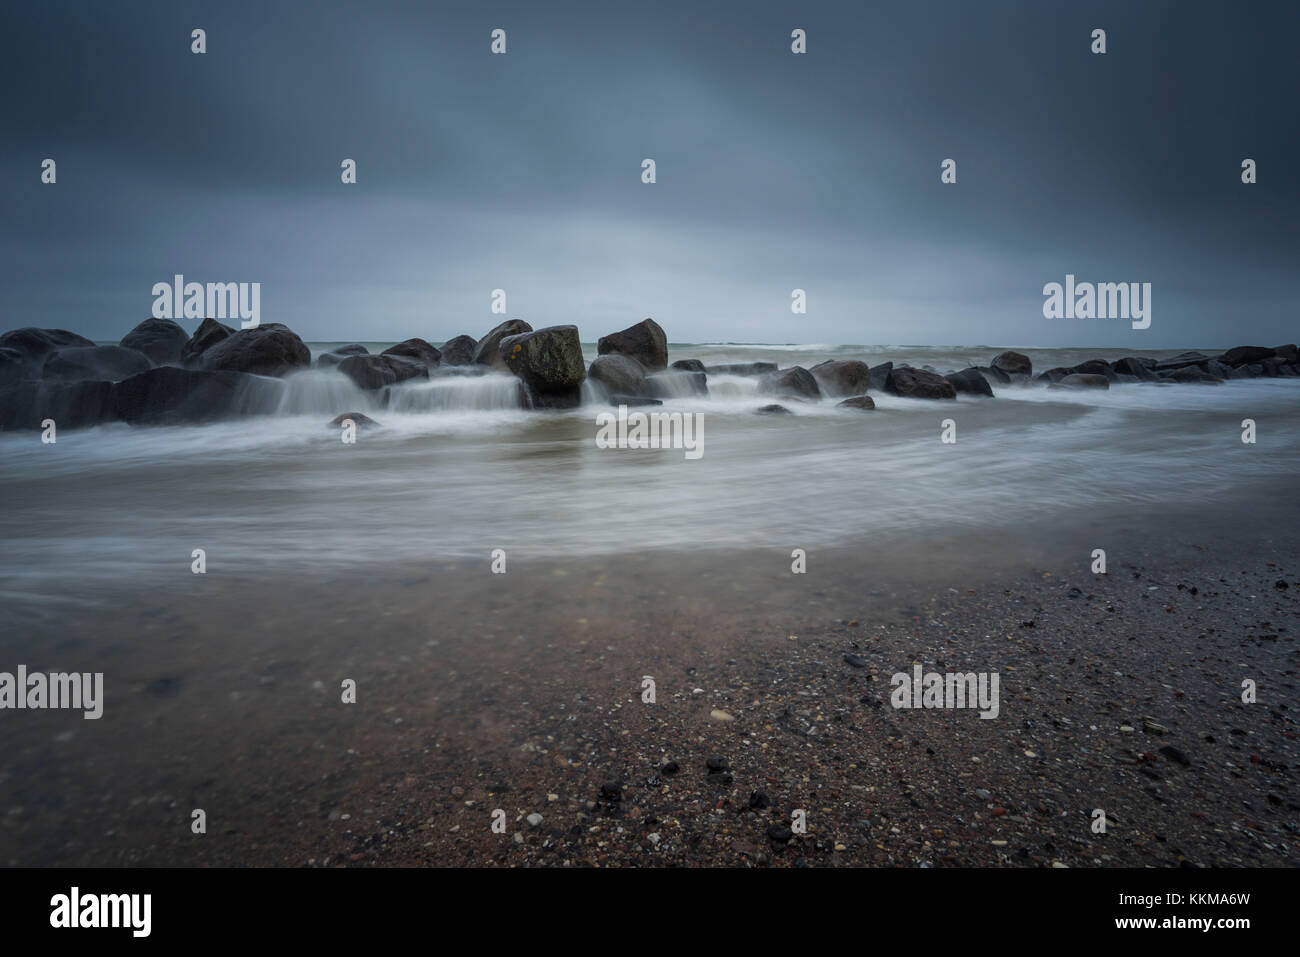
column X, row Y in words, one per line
column 271, row 349
column 618, row 375
column 842, row 377
column 459, row 351
column 919, row 384
column 1134, row 366
column 1096, row 367
column 645, row 342
column 1287, row 352
column 160, row 339
column 416, row 349
column 1182, row 361
column 1014, row 364
column 102, row 363
column 993, row 375
column 1241, row 355
column 375, row 372
column 548, row 361
column 795, row 382
column 970, row 382
column 880, row 376
column 170, row 395
column 328, row 360
column 487, row 352
column 207, row 335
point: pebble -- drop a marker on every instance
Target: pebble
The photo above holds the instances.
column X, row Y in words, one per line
column 535, row 819
column 717, row 714
column 670, row 768
column 716, row 764
column 780, row 833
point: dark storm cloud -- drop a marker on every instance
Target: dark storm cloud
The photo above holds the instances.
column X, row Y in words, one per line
column 775, row 171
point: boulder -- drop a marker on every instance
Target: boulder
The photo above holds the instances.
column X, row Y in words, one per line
column 1241, row 355
column 375, row 372
column 549, row 361
column 1287, row 352
column 742, row 368
column 795, row 382
column 487, row 352
column 207, row 335
column 618, row 374
column 416, row 349
column 862, row 402
column 270, row 349
column 772, row 410
column 1052, row 376
column 993, row 375
column 880, row 376
column 1272, row 366
column 14, row 366
column 171, row 395
column 459, row 351
column 689, row 365
column 645, row 342
column 970, row 382
column 1138, row 368
column 838, row 377
column 72, row 405
column 1095, row 367
column 543, row 401
column 328, row 360
column 1083, row 380
column 919, row 384
column 1250, row 371
column 1193, row 375
column 102, row 363
column 1182, row 361
column 160, row 339
column 23, row 351
column 1014, row 364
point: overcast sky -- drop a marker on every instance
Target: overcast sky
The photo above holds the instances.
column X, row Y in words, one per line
column 775, row 170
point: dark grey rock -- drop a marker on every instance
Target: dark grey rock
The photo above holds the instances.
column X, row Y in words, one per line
column 102, row 363
column 162, row 340
column 271, row 349
column 645, row 342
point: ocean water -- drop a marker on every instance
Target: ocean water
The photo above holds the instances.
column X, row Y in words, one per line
column 458, row 470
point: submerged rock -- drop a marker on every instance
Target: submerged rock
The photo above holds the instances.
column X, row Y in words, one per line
column 773, row 410
column 645, row 342
column 375, row 372
column 360, row 419
column 26, row 404
column 1083, row 380
column 23, row 351
column 918, row 384
column 171, row 395
column 862, row 402
column 795, row 382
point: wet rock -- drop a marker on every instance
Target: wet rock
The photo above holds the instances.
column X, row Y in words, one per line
column 375, row 372
column 102, row 363
column 631, row 401
column 689, row 365
column 842, row 377
column 1081, row 380
column 1173, row 754
column 669, row 768
column 335, row 356
column 1095, row 367
column 1015, row 365
column 207, row 335
column 645, row 342
column 855, row 661
column 742, row 368
column 487, row 352
column 1052, row 376
column 1138, row 368
column 970, row 382
column 611, row 792
column 758, row 801
column 162, row 340
column 879, row 376
column 862, row 402
column 773, row 410
column 171, row 395
column 1182, row 361
column 360, row 419
column 271, row 349
column 717, row 764
column 677, row 384
column 25, row 404
column 795, row 382
column 1242, row 355
column 549, row 362
column 618, row 374
column 780, row 834
column 416, row 349
column 459, row 351
column 919, row 384
column 25, row 349
column 1189, row 374
column 993, row 375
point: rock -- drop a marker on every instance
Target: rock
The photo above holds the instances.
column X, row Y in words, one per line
column 1287, row 352
column 633, row 400
column 1181, row 361
column 1173, row 754
column 1241, row 355
column 742, row 368
column 102, row 363
column 172, row 395
column 842, row 377
column 162, row 340
column 549, row 361
column 855, row 661
column 880, row 376
column 780, row 834
column 1052, row 375
column 669, row 768
column 717, row 765
column 488, row 350
column 970, row 382
column 1272, row 367
column 270, row 349
column 375, row 372
column 1220, row 371
column 796, row 382
column 919, row 384
column 1133, row 366
column 23, row 351
column 207, row 335
column 862, row 402
column 542, row 401
column 676, row 384
column 359, row 419
column 773, row 410
column 1095, row 367
column 1193, row 375
column 534, row 819
column 1250, row 371
column 416, row 349
column 993, row 375
column 459, row 351
column 25, row 404
column 645, row 342
column 618, row 374
column 332, row 358
column 1083, row 380
column 1014, row 364
column 689, row 365
column 611, row 792
column 759, row 801
column 717, row 714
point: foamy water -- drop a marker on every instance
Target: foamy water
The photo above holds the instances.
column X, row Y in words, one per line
column 458, row 470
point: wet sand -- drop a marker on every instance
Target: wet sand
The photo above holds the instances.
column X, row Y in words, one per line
column 522, row 692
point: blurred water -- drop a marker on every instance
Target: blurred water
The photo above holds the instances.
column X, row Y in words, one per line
column 458, row 469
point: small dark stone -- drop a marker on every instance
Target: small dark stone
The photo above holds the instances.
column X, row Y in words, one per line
column 670, row 768
column 611, row 791
column 855, row 661
column 716, row 764
column 1173, row 754
column 1281, row 583
column 774, row 410
column 758, row 800
column 779, row 833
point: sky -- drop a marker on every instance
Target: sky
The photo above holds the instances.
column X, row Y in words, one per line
column 775, row 171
